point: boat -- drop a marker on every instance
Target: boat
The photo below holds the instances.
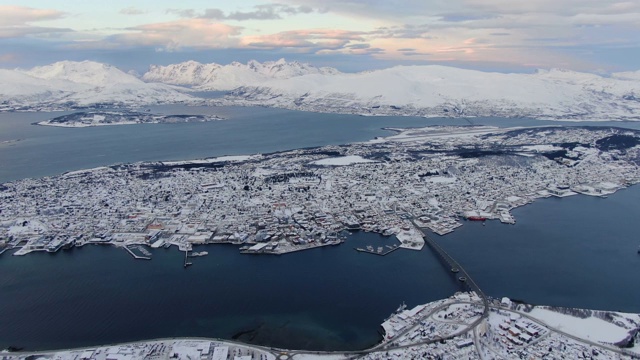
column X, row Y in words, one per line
column 187, row 264
column 462, row 278
column 201, row 253
column 401, row 308
column 455, row 270
column 476, row 218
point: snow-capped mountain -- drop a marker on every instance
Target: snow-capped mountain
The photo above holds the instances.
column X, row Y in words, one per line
column 402, row 90
column 228, row 77
column 446, row 91
column 86, row 83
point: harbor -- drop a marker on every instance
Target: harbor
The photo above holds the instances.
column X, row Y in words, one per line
column 380, row 250
column 138, row 252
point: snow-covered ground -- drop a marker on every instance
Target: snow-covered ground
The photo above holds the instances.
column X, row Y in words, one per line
column 342, row 161
column 591, row 328
column 229, row 158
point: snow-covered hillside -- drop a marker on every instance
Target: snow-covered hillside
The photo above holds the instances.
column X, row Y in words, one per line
column 447, row 91
column 402, row 90
column 228, row 77
column 70, row 84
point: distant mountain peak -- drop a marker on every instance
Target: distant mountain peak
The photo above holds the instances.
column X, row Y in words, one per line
column 228, row 77
column 81, row 83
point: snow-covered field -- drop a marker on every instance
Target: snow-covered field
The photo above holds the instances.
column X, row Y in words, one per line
column 591, row 328
column 342, row 161
column 229, row 158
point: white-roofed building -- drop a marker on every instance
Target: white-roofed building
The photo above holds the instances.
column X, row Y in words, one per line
column 220, row 353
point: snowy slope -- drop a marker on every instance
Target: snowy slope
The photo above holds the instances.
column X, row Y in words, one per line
column 228, row 77
column 85, row 72
column 84, row 83
column 447, row 91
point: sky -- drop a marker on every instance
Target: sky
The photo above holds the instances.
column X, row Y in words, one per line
column 597, row 36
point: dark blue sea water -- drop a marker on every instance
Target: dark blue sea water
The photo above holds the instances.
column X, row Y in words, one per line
column 327, row 298
column 578, row 251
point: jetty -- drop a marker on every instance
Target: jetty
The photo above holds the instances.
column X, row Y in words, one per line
column 146, row 255
column 379, row 251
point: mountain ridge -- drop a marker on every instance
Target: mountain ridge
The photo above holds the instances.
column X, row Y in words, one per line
column 416, row 90
column 216, row 77
column 67, row 84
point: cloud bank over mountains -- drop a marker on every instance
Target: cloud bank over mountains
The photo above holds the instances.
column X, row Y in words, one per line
column 588, row 35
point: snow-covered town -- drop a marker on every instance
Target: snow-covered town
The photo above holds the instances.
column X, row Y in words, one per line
column 452, row 328
column 434, row 177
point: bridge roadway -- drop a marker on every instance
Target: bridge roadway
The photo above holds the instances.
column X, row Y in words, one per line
column 449, row 261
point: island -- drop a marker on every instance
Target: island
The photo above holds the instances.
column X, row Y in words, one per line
column 121, row 117
column 433, row 178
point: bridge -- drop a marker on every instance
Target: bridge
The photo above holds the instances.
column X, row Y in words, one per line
column 461, row 272
column 451, row 263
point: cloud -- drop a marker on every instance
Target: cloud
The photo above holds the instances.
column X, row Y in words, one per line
column 132, row 11
column 15, row 22
column 260, row 12
column 173, row 35
column 22, row 31
column 20, row 15
column 304, row 40
column 9, row 58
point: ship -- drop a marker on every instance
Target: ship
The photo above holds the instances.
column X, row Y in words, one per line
column 476, row 218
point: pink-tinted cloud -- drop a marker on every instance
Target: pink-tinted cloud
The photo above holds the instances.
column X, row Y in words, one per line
column 306, row 40
column 20, row 15
column 185, row 33
column 9, row 58
column 15, row 22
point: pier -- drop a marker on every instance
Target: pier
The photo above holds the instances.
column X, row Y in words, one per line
column 146, row 255
column 380, row 253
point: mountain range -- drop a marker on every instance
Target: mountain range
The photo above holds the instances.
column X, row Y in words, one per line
column 69, row 84
column 428, row 90
column 216, row 77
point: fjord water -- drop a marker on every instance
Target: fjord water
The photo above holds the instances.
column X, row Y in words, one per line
column 46, row 151
column 328, row 298
column 579, row 251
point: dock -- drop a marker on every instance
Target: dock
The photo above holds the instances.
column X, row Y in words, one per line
column 186, row 259
column 375, row 252
column 146, row 255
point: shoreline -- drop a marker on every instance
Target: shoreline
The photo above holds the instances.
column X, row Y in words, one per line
column 404, row 331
